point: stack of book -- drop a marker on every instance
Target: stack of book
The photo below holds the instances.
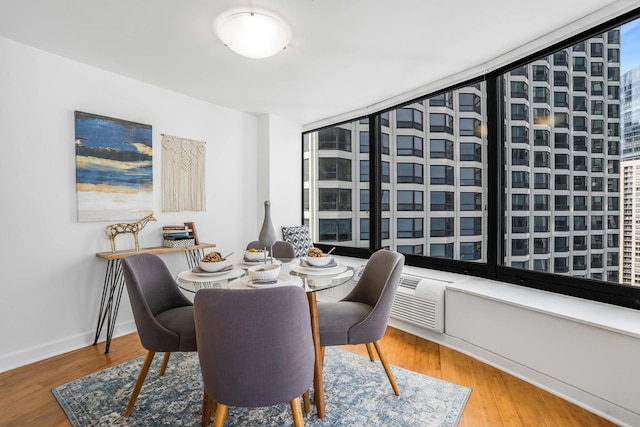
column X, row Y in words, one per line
column 177, row 236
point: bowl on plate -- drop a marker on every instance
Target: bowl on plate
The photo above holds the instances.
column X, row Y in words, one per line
column 213, row 262
column 319, row 261
column 264, row 272
column 254, row 254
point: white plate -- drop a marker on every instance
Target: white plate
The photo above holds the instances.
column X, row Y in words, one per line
column 283, row 280
column 318, row 271
column 200, row 277
column 243, row 263
column 200, row 272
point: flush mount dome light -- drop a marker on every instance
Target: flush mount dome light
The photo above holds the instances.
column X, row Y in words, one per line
column 252, row 33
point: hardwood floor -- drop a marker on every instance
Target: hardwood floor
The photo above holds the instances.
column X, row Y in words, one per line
column 497, row 399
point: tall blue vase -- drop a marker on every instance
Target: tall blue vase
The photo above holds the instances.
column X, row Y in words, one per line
column 267, row 234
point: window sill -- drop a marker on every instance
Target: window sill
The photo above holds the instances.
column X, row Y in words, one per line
column 596, row 314
column 605, row 316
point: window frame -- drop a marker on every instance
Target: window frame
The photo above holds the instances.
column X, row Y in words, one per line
column 581, row 287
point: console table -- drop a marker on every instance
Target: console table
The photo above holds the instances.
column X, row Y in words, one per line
column 114, row 281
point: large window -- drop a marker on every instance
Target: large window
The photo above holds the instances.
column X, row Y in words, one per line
column 582, row 197
column 521, row 175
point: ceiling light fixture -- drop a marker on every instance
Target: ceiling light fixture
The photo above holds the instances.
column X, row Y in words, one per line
column 253, row 33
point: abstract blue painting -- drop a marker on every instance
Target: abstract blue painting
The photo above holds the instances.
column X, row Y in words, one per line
column 114, row 170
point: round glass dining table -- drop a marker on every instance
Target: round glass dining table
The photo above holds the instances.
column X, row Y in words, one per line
column 292, row 273
column 295, row 272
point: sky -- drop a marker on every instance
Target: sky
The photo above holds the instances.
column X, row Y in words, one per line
column 629, row 46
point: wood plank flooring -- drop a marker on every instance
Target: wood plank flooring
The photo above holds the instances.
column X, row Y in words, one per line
column 497, row 399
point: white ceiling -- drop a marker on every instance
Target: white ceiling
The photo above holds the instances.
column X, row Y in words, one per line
column 345, row 54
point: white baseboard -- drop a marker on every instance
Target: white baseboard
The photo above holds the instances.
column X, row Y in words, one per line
column 55, row 348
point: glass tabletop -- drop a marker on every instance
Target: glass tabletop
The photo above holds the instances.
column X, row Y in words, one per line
column 311, row 279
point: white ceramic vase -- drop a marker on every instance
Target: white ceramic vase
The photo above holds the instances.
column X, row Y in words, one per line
column 267, row 234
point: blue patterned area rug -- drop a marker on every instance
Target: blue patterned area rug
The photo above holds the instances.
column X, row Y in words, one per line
column 357, row 393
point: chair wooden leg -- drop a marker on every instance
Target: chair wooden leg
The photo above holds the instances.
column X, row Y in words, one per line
column 165, row 361
column 306, row 401
column 370, row 351
column 208, row 407
column 138, row 386
column 298, row 421
column 387, row 369
column 221, row 415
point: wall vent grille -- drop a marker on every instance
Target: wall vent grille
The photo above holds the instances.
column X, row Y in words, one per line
column 419, row 301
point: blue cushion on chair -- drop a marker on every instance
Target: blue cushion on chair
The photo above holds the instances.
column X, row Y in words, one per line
column 299, row 237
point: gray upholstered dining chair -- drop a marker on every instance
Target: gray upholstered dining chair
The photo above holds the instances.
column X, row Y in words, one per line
column 255, row 348
column 282, row 250
column 362, row 316
column 163, row 315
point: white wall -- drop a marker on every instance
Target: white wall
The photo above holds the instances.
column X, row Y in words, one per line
column 279, row 170
column 51, row 280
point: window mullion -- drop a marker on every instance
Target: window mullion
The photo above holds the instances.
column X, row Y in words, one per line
column 495, row 184
column 375, row 182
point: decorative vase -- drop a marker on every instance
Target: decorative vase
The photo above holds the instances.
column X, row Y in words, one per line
column 267, row 234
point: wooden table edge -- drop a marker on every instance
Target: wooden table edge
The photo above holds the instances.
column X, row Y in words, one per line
column 151, row 250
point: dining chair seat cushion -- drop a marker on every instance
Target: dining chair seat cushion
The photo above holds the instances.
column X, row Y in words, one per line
column 180, row 321
column 339, row 322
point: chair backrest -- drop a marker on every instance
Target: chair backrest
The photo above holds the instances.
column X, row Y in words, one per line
column 255, row 245
column 281, row 249
column 152, row 290
column 255, row 345
column 376, row 287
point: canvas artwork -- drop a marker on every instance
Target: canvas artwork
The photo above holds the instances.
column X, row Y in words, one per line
column 114, row 175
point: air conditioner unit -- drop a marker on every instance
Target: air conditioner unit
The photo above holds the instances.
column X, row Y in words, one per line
column 419, row 301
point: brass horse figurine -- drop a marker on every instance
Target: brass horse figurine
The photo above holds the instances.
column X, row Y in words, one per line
column 134, row 228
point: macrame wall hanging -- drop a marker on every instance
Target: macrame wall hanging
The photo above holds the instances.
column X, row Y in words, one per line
column 183, row 174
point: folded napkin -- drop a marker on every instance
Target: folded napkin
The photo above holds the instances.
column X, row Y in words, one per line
column 264, row 281
column 330, row 264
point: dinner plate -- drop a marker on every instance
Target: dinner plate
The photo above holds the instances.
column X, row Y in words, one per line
column 318, row 271
column 193, row 277
column 245, row 282
column 200, row 272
